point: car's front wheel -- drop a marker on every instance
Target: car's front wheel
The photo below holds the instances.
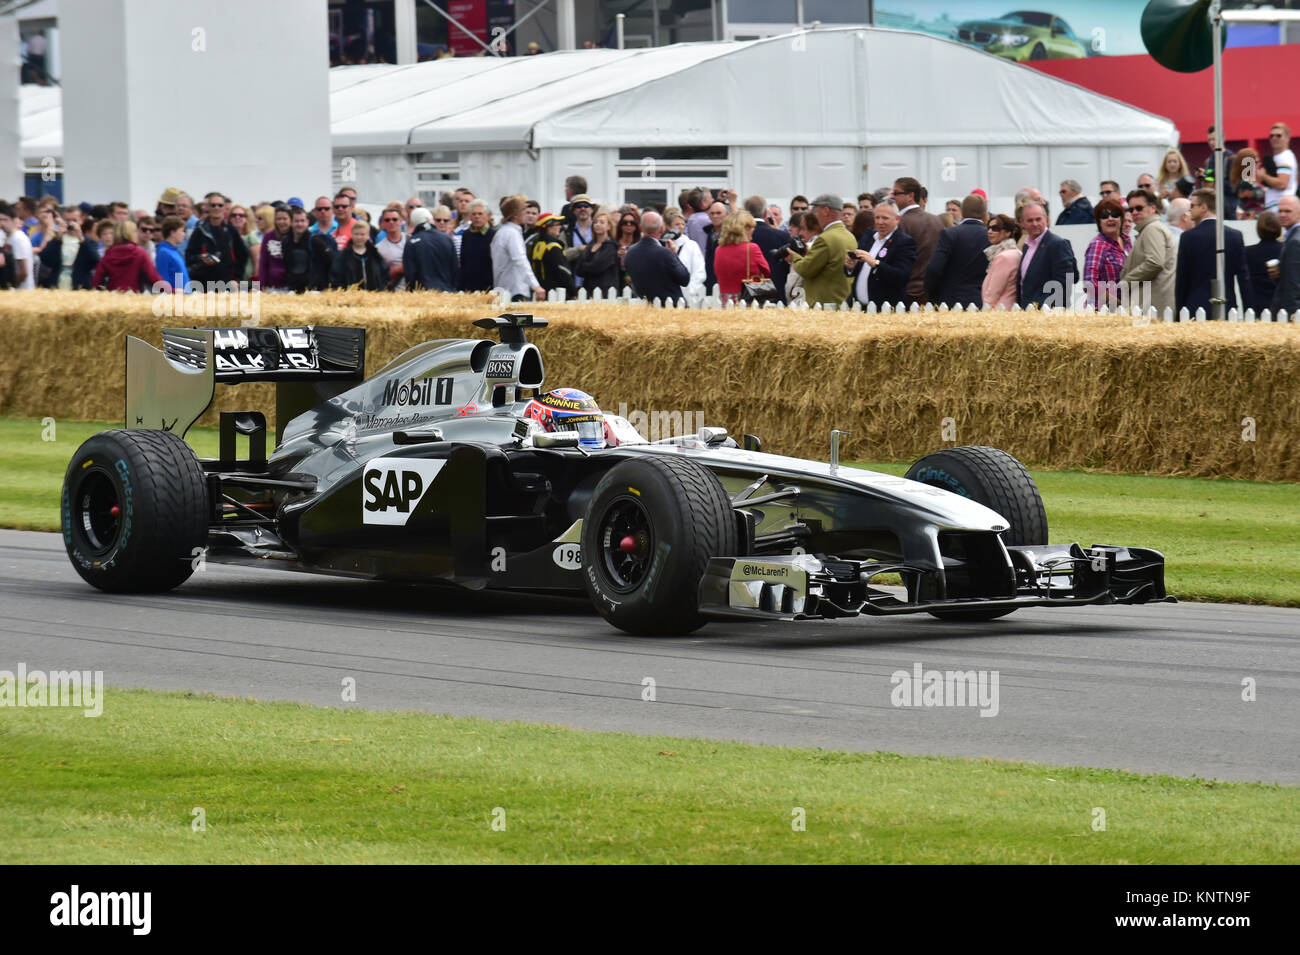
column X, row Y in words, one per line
column 991, row 477
column 650, row 530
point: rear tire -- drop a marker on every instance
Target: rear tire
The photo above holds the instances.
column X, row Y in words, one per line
column 675, row 515
column 135, row 511
column 997, row 480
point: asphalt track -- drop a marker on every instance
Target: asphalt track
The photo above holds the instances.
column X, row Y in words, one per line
column 1151, row 689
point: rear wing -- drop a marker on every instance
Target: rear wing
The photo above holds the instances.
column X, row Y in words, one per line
column 170, row 389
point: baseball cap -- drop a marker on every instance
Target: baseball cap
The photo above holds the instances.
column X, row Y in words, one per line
column 420, row 216
column 546, row 218
column 295, row 201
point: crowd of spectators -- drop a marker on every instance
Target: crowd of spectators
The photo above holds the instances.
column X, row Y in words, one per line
column 881, row 248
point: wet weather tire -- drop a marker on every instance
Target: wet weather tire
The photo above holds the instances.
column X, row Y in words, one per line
column 995, row 479
column 650, row 530
column 135, row 511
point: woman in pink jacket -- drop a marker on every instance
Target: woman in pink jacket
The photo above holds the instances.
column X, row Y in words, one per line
column 1004, row 262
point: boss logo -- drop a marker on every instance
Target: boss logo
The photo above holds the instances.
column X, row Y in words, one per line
column 391, row 488
column 501, row 368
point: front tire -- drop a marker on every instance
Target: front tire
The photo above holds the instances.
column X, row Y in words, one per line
column 650, row 530
column 997, row 480
column 135, row 511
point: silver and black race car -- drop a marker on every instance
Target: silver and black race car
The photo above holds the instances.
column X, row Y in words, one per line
column 437, row 470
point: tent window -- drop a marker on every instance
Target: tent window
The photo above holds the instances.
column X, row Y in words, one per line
column 673, row 153
column 434, row 170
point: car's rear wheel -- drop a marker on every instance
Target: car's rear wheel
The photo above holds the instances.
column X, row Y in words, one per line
column 997, row 480
column 135, row 511
column 1038, row 52
column 651, row 527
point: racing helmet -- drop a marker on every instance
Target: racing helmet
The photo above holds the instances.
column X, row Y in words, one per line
column 568, row 409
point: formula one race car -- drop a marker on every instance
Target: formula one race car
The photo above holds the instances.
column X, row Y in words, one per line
column 451, row 465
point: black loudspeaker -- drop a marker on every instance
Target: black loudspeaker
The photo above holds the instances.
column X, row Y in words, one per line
column 1177, row 34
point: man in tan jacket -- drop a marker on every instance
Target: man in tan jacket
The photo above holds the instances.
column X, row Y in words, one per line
column 1154, row 258
column 822, row 269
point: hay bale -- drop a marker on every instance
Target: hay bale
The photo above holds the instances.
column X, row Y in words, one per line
column 1062, row 391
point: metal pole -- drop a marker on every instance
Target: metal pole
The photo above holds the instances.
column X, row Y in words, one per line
column 404, row 28
column 798, row 13
column 654, row 22
column 618, row 30
column 566, row 33
column 1218, row 291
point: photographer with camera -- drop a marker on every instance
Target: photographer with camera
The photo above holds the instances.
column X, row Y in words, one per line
column 822, row 268
column 216, row 251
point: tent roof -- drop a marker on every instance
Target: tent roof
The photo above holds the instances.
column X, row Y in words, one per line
column 853, row 86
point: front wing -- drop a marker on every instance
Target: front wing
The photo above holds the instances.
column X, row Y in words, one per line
column 804, row 586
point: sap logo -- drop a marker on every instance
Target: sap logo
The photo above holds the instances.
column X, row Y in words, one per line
column 501, row 368
column 391, row 488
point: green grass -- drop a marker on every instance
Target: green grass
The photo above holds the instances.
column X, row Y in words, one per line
column 1223, row 540
column 289, row 783
column 32, row 467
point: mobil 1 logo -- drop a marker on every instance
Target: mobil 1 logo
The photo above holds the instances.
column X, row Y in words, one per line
column 392, row 487
column 417, row 391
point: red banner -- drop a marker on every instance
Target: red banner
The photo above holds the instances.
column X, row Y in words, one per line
column 471, row 14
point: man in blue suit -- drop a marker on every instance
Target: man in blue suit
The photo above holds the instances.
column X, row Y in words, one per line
column 1048, row 269
column 1078, row 210
column 1196, row 264
column 886, row 257
column 654, row 269
column 955, row 273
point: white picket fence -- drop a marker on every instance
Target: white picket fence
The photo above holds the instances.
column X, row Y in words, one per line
column 713, row 300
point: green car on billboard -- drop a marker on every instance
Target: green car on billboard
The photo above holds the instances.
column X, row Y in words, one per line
column 1023, row 35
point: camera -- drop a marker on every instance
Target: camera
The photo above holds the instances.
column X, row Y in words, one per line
column 672, row 235
column 795, row 244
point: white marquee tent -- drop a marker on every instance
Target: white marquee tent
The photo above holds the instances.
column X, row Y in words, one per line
column 837, row 110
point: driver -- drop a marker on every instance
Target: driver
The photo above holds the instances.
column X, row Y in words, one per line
column 568, row 409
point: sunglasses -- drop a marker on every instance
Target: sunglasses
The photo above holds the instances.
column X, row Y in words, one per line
column 1138, row 208
column 391, row 219
column 1276, row 135
column 216, row 205
column 1111, row 214
column 798, row 208
column 582, row 205
column 628, row 222
column 341, row 205
column 239, row 215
